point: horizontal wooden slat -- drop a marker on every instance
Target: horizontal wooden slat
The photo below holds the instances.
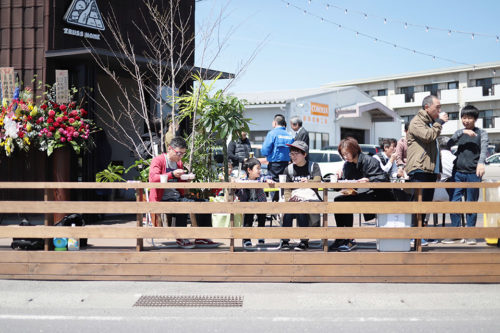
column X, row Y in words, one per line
column 250, row 270
column 132, row 185
column 226, row 233
column 442, row 257
column 330, row 279
column 103, row 207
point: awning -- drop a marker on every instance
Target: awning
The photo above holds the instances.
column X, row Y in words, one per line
column 114, row 57
column 378, row 111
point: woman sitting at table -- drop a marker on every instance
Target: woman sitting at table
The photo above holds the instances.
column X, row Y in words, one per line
column 358, row 168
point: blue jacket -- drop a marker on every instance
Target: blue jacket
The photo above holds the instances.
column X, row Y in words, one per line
column 274, row 146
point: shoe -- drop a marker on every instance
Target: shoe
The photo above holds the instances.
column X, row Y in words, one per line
column 284, row 246
column 453, row 241
column 433, row 241
column 348, row 246
column 205, row 243
column 335, row 245
column 185, row 243
column 471, row 241
column 262, row 241
column 302, row 246
column 247, row 243
column 424, row 242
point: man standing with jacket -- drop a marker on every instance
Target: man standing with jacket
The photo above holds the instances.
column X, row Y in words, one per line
column 423, row 160
column 238, row 151
column 276, row 150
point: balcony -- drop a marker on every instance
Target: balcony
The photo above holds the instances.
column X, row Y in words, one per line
column 449, row 96
column 475, row 94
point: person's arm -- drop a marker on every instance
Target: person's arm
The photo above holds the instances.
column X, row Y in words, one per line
column 399, row 153
column 267, row 145
column 480, row 169
column 155, row 170
column 385, row 167
column 373, row 171
column 230, row 152
column 423, row 132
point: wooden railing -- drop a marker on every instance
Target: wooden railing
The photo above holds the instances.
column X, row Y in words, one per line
column 47, row 207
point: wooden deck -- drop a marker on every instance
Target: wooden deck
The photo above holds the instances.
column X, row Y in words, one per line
column 138, row 261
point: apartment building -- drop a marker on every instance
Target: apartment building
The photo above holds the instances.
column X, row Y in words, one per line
column 456, row 87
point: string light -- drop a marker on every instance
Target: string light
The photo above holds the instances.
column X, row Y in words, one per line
column 375, row 39
column 406, row 23
column 472, row 35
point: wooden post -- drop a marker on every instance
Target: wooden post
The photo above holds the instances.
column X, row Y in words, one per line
column 139, row 198
column 48, row 219
column 231, row 219
column 418, row 242
column 325, row 219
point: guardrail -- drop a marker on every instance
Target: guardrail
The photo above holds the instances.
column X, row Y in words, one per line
column 139, row 232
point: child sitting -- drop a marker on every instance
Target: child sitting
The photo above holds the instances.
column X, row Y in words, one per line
column 253, row 170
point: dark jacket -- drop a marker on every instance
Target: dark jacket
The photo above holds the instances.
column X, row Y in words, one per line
column 367, row 167
column 302, row 135
column 238, row 151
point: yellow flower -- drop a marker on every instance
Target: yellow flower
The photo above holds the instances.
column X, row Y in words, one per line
column 34, row 112
column 28, row 127
column 26, row 140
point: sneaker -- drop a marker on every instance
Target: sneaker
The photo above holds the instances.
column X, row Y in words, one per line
column 185, row 243
column 247, row 243
column 433, row 241
column 471, row 241
column 302, row 246
column 335, row 245
column 453, row 240
column 205, row 243
column 284, row 246
column 262, row 241
column 424, row 242
column 348, row 246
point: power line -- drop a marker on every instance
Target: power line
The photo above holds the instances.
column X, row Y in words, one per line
column 373, row 38
column 406, row 23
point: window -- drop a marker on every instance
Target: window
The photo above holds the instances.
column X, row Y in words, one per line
column 488, row 119
column 318, row 140
column 432, row 88
column 408, row 92
column 487, row 86
column 257, row 137
column 453, row 85
column 453, row 115
column 382, row 92
column 407, row 119
column 367, row 92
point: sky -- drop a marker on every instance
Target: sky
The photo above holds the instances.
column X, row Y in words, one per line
column 296, row 50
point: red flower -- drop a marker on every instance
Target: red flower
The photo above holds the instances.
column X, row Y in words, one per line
column 62, row 139
column 65, row 118
column 71, row 120
column 52, row 129
column 50, row 120
column 62, row 107
column 59, row 119
column 20, row 134
column 83, row 112
column 77, row 118
column 73, row 113
column 43, row 107
column 52, row 113
column 57, row 124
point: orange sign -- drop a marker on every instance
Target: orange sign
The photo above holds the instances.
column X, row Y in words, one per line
column 319, row 109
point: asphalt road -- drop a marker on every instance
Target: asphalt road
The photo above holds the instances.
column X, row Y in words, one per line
column 50, row 306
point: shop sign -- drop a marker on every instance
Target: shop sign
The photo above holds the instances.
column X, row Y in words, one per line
column 84, row 13
column 8, row 82
column 62, row 87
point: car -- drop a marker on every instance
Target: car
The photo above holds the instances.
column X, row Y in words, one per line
column 368, row 149
column 329, row 161
column 492, row 166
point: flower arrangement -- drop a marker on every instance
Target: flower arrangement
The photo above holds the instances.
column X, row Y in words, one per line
column 45, row 127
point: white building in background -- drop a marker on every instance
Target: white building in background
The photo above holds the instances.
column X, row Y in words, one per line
column 478, row 85
column 329, row 114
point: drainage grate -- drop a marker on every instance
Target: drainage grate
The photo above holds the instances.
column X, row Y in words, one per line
column 190, row 301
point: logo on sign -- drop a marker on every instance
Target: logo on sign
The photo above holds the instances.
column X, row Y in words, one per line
column 319, row 109
column 85, row 14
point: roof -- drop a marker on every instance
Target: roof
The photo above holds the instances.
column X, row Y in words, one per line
column 377, row 110
column 284, row 96
column 441, row 71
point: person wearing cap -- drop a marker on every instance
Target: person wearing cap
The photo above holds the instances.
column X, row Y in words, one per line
column 299, row 171
column 276, row 150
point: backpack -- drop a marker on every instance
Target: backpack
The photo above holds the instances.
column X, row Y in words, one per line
column 291, row 172
column 27, row 244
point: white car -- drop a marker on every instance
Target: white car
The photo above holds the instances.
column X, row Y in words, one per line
column 329, row 161
column 492, row 167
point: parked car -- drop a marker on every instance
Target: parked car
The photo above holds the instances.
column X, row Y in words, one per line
column 492, row 167
column 329, row 161
column 365, row 148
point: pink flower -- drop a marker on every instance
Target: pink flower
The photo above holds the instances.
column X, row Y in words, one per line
column 63, row 139
column 61, row 130
column 49, row 134
column 71, row 120
column 75, row 134
column 70, row 138
column 59, row 119
column 52, row 113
